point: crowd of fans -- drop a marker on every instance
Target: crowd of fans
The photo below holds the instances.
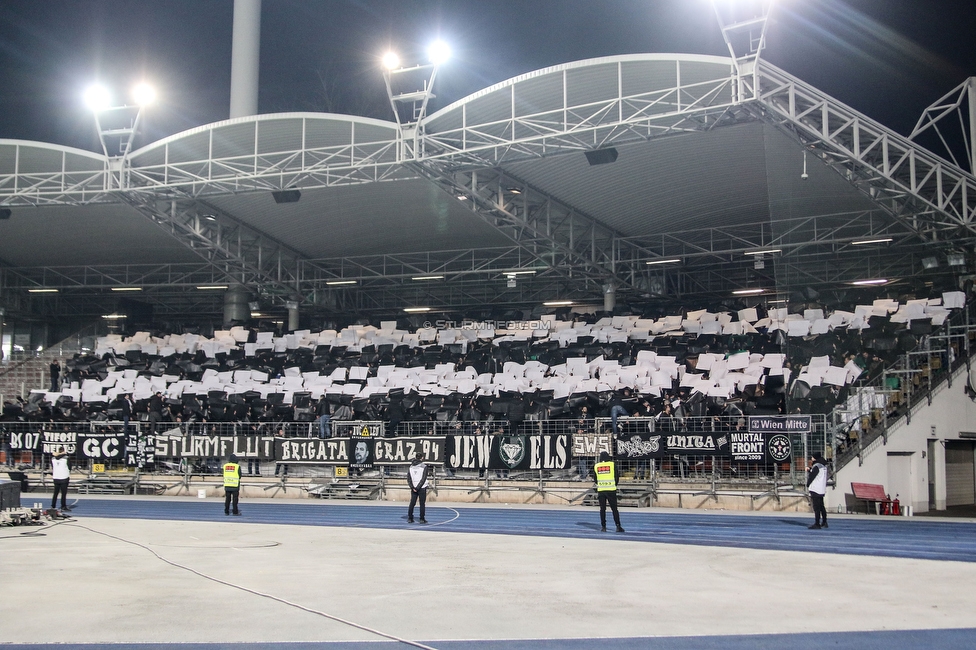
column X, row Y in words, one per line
column 694, row 364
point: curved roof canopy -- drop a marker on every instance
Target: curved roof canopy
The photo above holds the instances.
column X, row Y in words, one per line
column 578, row 175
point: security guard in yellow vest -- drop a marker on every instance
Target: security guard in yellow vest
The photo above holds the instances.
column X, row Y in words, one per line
column 232, row 485
column 606, row 476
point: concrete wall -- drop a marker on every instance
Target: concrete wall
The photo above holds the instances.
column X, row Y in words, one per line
column 951, row 411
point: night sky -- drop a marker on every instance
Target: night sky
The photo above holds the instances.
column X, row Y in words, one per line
column 886, row 58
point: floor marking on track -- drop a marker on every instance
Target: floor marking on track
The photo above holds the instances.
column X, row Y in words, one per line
column 457, row 515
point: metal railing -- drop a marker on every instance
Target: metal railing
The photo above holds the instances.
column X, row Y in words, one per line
column 900, row 388
column 587, row 438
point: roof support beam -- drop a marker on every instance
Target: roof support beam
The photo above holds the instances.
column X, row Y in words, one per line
column 551, row 232
column 241, row 253
column 924, row 192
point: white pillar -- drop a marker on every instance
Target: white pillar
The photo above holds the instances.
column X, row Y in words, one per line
column 292, row 306
column 235, row 305
column 609, row 297
column 245, row 58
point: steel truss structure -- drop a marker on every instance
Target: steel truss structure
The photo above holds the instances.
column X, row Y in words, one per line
column 924, row 202
column 813, row 252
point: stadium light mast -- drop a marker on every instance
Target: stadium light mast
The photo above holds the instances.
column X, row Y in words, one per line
column 410, row 90
column 245, row 58
column 743, row 24
column 117, row 125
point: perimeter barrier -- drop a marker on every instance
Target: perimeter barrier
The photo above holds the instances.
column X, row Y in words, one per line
column 762, row 453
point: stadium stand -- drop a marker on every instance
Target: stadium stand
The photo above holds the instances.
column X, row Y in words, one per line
column 700, row 363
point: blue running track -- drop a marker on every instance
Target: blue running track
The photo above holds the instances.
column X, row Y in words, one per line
column 922, row 539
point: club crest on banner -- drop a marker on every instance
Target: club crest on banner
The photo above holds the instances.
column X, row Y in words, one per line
column 512, row 450
column 779, row 448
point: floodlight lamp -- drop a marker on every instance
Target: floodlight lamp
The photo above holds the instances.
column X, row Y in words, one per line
column 439, row 52
column 956, row 259
column 143, row 94
column 97, row 98
column 391, row 61
column 930, row 262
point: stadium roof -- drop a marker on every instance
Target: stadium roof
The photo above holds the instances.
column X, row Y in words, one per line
column 701, row 162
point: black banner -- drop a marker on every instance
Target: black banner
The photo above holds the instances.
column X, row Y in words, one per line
column 140, row 450
column 356, row 429
column 106, row 446
column 640, row 446
column 52, row 440
column 250, row 447
column 322, row 451
column 740, row 446
column 760, row 447
column 26, row 440
column 707, row 444
column 362, row 452
column 504, row 451
column 401, row 450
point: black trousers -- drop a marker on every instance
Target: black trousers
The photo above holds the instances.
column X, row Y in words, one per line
column 819, row 510
column 419, row 495
column 60, row 486
column 610, row 496
column 231, row 495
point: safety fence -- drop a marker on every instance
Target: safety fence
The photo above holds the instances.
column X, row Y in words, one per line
column 901, row 387
column 692, row 449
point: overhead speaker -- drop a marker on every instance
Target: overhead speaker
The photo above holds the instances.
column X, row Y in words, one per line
column 286, row 196
column 601, row 156
column 5, row 213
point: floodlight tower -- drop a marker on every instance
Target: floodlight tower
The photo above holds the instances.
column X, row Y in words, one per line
column 409, row 91
column 743, row 24
column 117, row 125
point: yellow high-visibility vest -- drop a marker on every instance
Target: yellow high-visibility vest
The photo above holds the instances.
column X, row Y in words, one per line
column 606, row 479
column 232, row 477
